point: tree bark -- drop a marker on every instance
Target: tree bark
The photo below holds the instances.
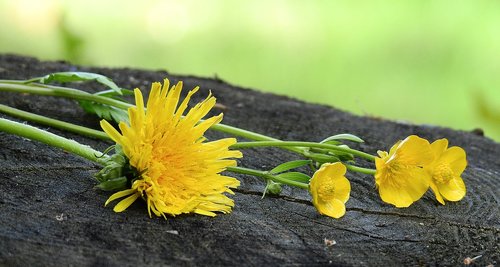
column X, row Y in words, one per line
column 51, row 215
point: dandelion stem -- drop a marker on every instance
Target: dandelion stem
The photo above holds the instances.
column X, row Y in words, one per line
column 266, row 176
column 261, row 140
column 51, row 139
column 59, row 91
column 53, row 122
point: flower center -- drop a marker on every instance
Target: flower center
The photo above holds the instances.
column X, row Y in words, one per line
column 442, row 173
column 326, row 191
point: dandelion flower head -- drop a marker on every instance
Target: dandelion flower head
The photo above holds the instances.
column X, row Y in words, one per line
column 179, row 171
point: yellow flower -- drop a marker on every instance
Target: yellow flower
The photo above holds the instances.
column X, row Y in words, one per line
column 400, row 177
column 446, row 170
column 179, row 171
column 330, row 189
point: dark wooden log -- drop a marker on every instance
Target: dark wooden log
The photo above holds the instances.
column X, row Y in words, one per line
column 52, row 216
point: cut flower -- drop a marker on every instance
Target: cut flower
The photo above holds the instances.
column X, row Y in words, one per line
column 445, row 171
column 178, row 171
column 330, row 189
column 400, row 176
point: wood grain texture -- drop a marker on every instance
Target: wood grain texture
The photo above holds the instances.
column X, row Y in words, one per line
column 52, row 216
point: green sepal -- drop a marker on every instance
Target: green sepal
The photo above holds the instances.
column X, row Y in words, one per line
column 272, row 188
column 116, row 173
column 113, row 184
column 289, row 165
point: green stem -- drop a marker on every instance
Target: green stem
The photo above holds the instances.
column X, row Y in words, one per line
column 50, row 90
column 302, row 144
column 266, row 176
column 53, row 122
column 51, row 139
column 58, row 91
column 360, row 169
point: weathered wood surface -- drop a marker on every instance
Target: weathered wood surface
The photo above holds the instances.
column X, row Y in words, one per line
column 50, row 215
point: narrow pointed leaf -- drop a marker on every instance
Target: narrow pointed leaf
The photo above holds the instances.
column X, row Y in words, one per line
column 349, row 137
column 289, row 165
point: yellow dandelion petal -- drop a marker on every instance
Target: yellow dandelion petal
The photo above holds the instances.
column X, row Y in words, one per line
column 182, row 107
column 446, row 171
column 330, row 189
column 120, row 194
column 111, row 131
column 204, row 212
column 125, row 203
column 400, row 177
column 178, row 171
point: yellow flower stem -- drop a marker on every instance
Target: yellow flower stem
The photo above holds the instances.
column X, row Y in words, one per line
column 48, row 138
column 360, row 169
column 28, row 116
column 361, row 154
column 266, row 176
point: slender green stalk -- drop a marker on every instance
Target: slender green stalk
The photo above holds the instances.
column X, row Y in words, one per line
column 50, row 90
column 58, row 91
column 360, row 169
column 266, row 176
column 53, row 122
column 51, row 139
column 361, row 154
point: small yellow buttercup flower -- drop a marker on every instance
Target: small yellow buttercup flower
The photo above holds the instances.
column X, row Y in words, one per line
column 445, row 171
column 400, row 176
column 178, row 172
column 330, row 189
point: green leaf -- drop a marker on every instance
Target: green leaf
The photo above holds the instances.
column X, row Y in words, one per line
column 295, row 176
column 106, row 112
column 78, row 76
column 349, row 137
column 289, row 165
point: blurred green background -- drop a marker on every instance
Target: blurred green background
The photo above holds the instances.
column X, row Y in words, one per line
column 427, row 62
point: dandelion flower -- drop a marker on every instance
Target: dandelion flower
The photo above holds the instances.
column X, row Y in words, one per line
column 400, row 177
column 445, row 171
column 330, row 189
column 179, row 172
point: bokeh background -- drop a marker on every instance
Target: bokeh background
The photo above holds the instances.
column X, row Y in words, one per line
column 426, row 62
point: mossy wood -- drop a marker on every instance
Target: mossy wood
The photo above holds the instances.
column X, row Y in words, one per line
column 51, row 215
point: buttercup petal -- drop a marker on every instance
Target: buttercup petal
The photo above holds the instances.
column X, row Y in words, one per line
column 454, row 190
column 334, row 209
column 456, row 158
